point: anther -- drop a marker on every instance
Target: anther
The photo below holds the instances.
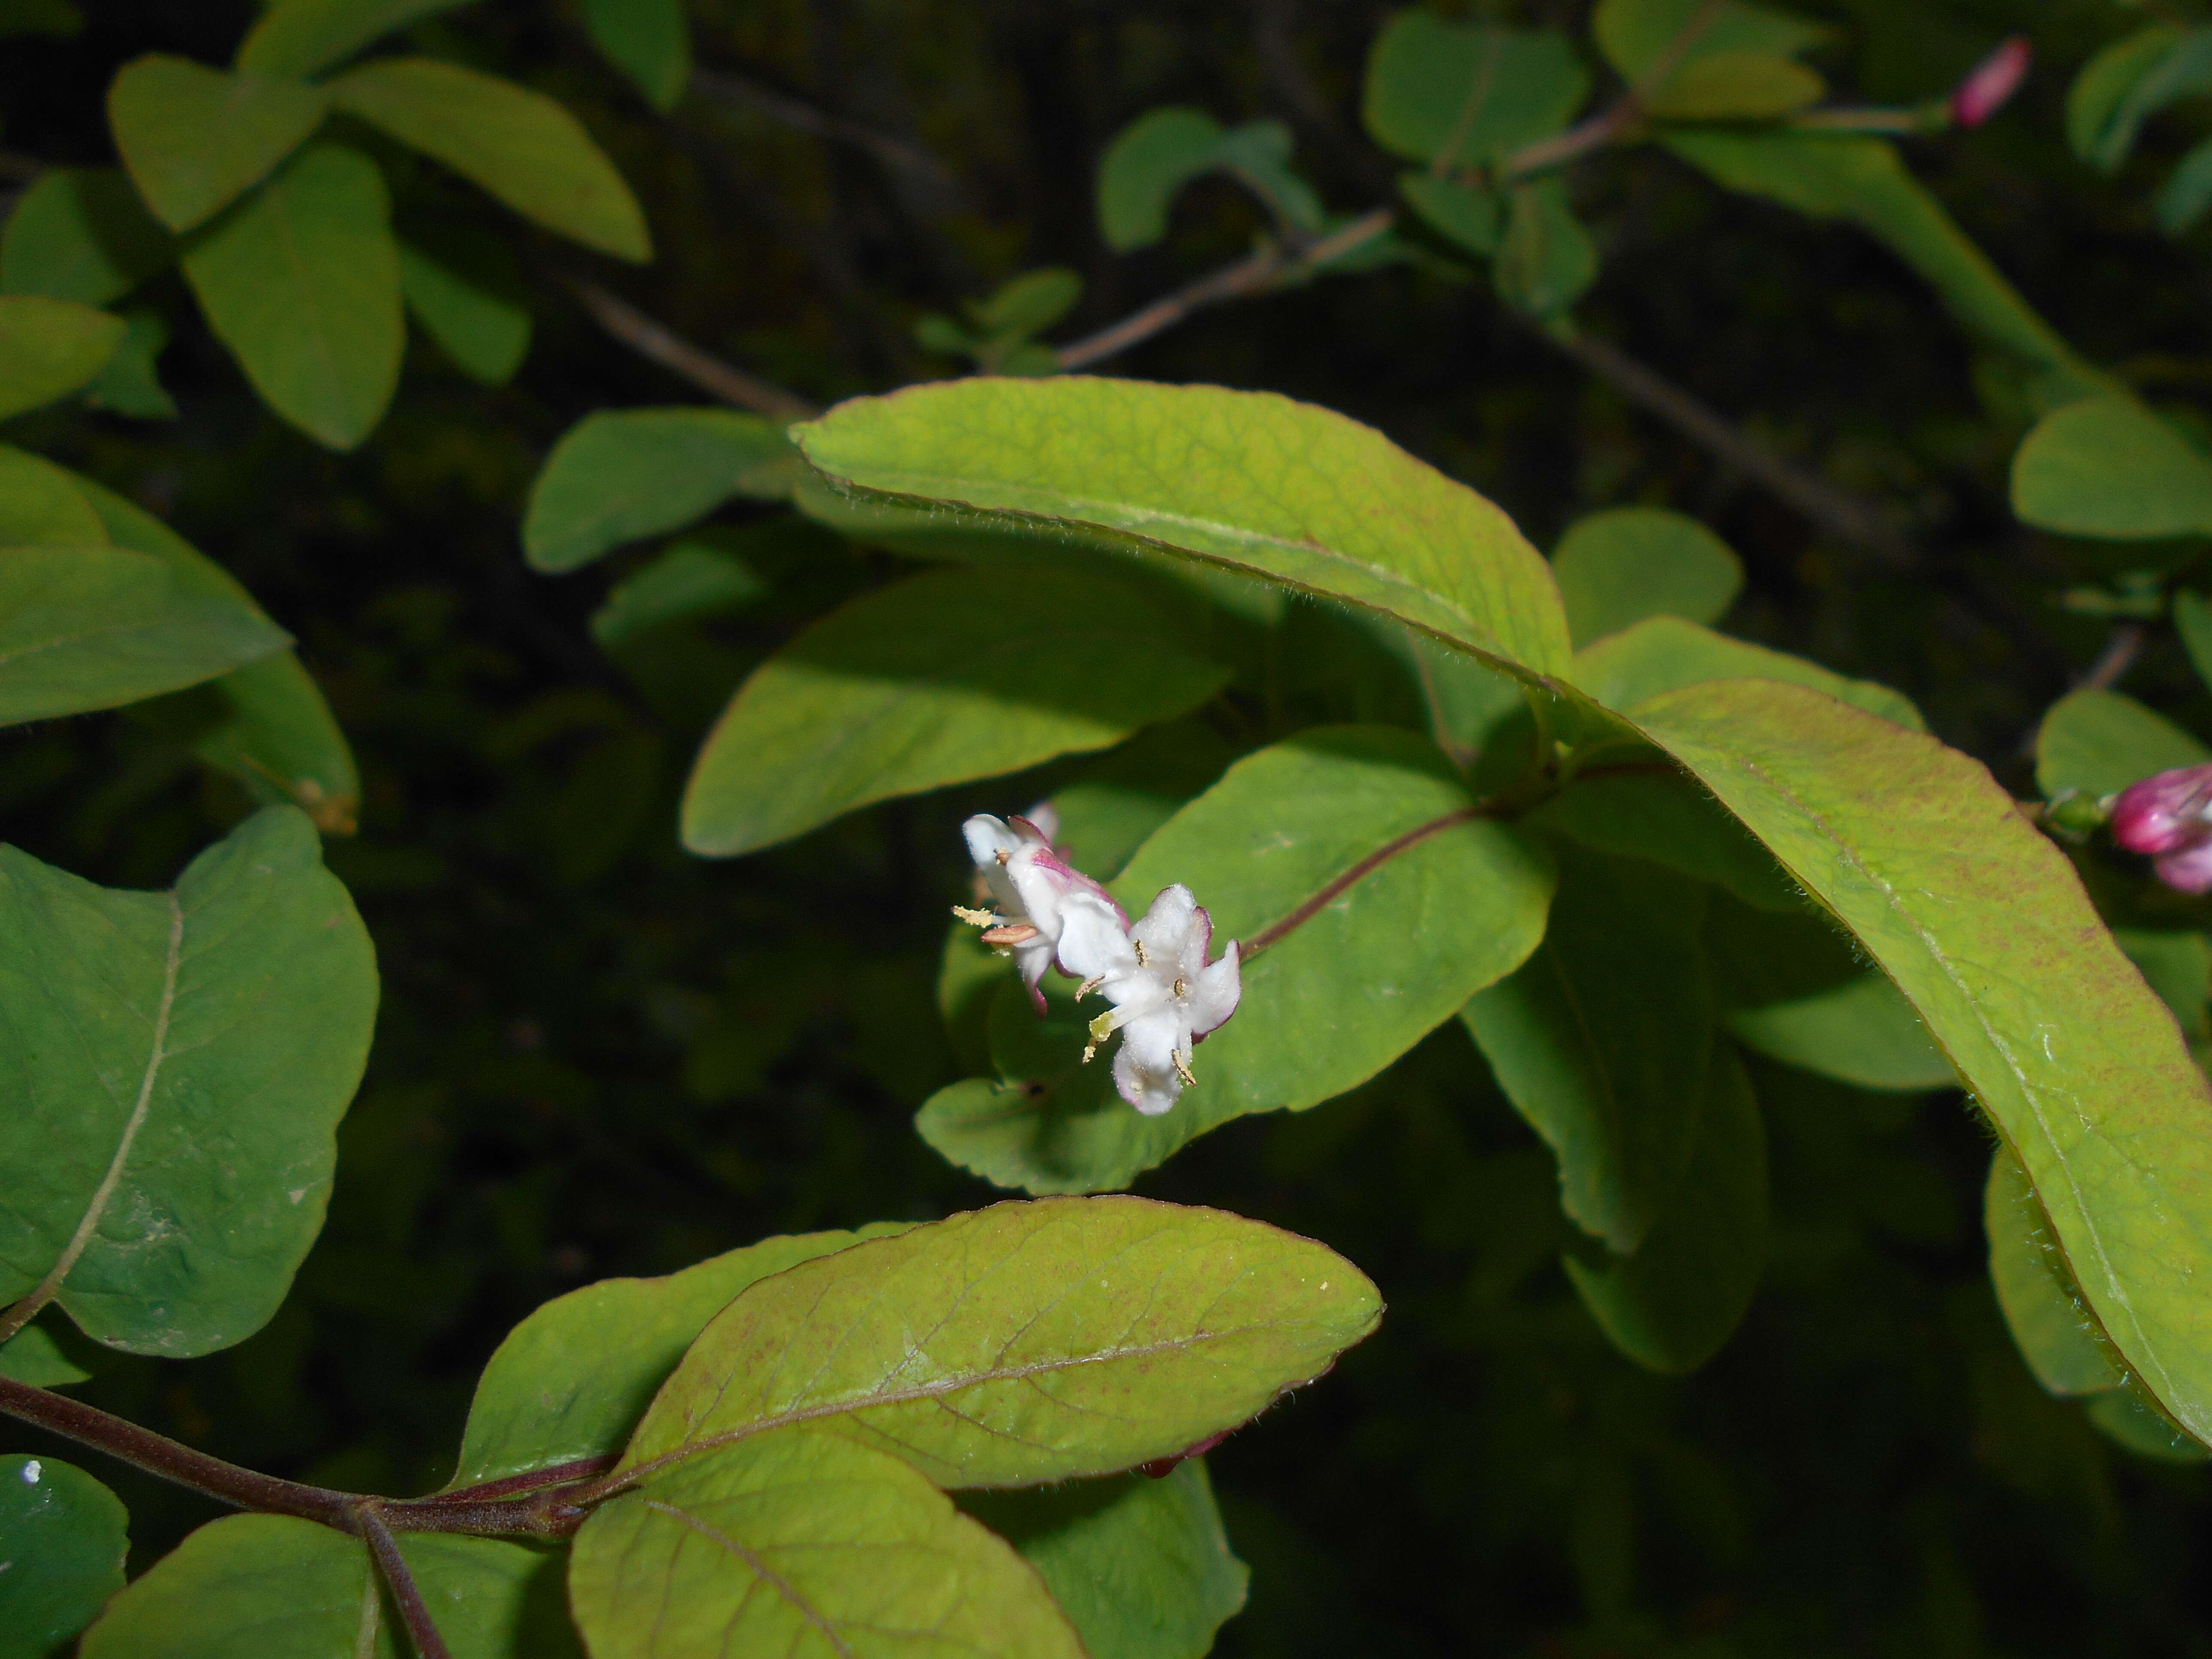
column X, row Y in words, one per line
column 1138, row 946
column 976, row 917
column 1182, row 1067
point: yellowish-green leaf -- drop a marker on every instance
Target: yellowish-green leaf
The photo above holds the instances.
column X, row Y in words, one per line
column 1665, row 653
column 195, row 138
column 1735, row 86
column 50, row 347
column 1982, row 925
column 1028, row 1342
column 2096, row 743
column 304, row 37
column 2110, row 468
column 803, row 1543
column 1616, row 567
column 40, row 505
column 518, row 144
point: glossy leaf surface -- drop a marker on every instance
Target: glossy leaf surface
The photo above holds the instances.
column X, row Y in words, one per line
column 2057, row 1334
column 87, row 628
column 1027, row 1342
column 180, row 1060
column 1672, row 1304
column 518, row 144
column 952, row 675
column 63, row 1537
column 195, row 139
column 2096, row 743
column 1665, row 653
column 803, row 1543
column 1461, row 96
column 620, row 476
column 1982, row 925
column 1248, row 480
column 571, row 1381
column 1603, row 1041
column 304, row 37
column 1384, row 958
column 50, row 347
column 81, row 233
column 2108, row 467
column 1141, row 1566
column 302, row 284
column 1616, row 568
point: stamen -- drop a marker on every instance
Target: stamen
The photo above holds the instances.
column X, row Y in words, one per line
column 1138, row 946
column 1001, row 855
column 1012, row 933
column 1182, row 1067
column 1182, row 986
column 1088, row 986
column 977, row 918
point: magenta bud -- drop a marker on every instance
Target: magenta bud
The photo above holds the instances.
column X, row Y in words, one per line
column 1989, row 85
column 2164, row 812
column 2187, row 869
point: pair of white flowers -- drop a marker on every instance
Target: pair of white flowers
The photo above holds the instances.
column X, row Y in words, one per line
column 1165, row 995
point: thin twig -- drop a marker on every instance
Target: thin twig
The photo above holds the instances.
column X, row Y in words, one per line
column 399, row 1579
column 663, row 345
column 893, row 152
column 2122, row 646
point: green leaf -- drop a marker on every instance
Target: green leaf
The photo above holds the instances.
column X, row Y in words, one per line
column 278, row 1588
column 1665, row 653
column 648, row 40
column 1735, row 86
column 1652, row 812
column 49, row 348
column 81, row 233
column 2103, row 86
column 180, row 1060
column 687, row 582
column 301, row 282
column 1258, row 156
column 1247, row 480
column 2110, row 468
column 87, row 628
column 622, row 475
column 1640, row 36
column 518, row 144
column 2192, row 620
column 1672, row 1304
column 2129, row 1417
column 1616, row 568
column 63, row 1537
column 952, row 675
column 2096, row 743
column 1141, row 1566
column 1148, row 162
column 572, row 1381
column 2176, row 965
column 1354, row 985
column 1025, row 1343
column 2187, row 191
column 131, row 382
column 304, row 37
column 2076, row 1062
column 1863, row 1032
column 803, row 1543
column 2057, row 1334
column 2182, row 69
column 195, row 139
column 40, row 505
column 281, row 740
column 1863, row 180
column 1546, row 260
column 1462, row 96
column 464, row 288
column 1462, row 213
column 1603, row 1041
column 1033, row 302
column 32, row 1355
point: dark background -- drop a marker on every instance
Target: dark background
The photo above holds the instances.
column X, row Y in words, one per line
column 598, row 1055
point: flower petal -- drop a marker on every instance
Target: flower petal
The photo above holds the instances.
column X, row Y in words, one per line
column 1093, row 940
column 2187, row 868
column 1214, row 994
column 1143, row 1069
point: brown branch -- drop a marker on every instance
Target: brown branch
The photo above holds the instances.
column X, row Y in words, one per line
column 663, row 345
column 2122, row 646
column 391, row 1567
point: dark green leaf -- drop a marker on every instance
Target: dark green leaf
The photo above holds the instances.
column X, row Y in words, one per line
column 2132, row 1417
column 1031, row 303
column 953, row 675
column 1672, row 1304
column 518, row 144
column 180, row 1060
column 1603, row 1041
column 62, row 1536
column 34, row 1355
column 1652, row 812
column 2182, row 69
column 275, row 1588
column 803, row 1542
column 2076, row 1062
column 1615, row 569
column 2192, row 620
column 195, row 138
column 1455, row 903
column 87, row 628
column 465, row 290
column 303, row 37
column 1258, row 156
column 131, row 384
column 1141, row 1566
column 2187, row 191
column 1465, row 215
column 2176, row 964
column 2102, row 86
column 1546, row 260
column 301, row 281
column 1723, row 61
column 40, row 505
column 571, row 1381
column 1862, row 1032
column 1148, row 162
column 686, row 582
column 1025, row 1343
column 50, row 347
column 1665, row 653
column 2108, row 467
column 648, row 40
column 81, row 233
column 2096, row 743
column 622, row 475
column 2059, row 1336
column 1461, row 96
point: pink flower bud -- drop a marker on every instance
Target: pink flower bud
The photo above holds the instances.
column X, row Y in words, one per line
column 2188, row 869
column 2164, row 812
column 1991, row 82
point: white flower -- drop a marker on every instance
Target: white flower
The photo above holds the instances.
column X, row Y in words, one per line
column 1029, row 884
column 1165, row 995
